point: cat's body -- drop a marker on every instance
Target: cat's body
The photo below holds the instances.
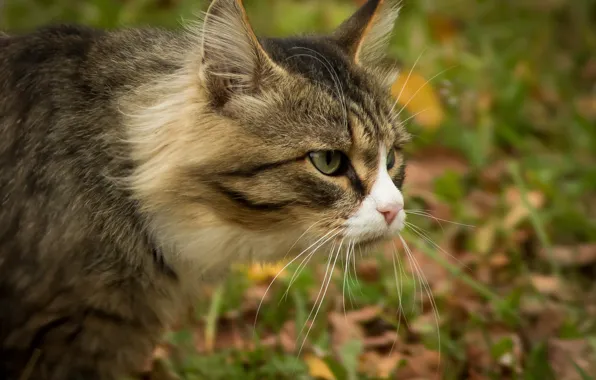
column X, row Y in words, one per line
column 130, row 174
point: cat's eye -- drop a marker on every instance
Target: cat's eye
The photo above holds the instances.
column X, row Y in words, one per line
column 328, row 162
column 391, row 159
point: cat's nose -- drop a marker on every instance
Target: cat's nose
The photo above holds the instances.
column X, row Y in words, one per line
column 389, row 212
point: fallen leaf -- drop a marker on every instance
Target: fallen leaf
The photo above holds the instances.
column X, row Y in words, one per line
column 412, row 92
column 368, row 270
column 260, row 273
column 318, row 368
column 364, row 314
column 430, row 163
column 546, row 323
column 387, row 339
column 548, row 285
column 380, row 366
column 499, row 260
column 518, row 211
column 287, row 337
column 570, row 256
column 343, row 330
column 564, row 355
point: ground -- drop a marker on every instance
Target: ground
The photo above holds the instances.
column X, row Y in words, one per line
column 501, row 99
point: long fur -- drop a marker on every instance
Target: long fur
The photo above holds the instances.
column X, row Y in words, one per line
column 138, row 164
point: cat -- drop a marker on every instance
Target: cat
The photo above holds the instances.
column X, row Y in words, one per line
column 137, row 165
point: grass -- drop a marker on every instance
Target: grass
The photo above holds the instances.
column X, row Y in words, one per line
column 514, row 157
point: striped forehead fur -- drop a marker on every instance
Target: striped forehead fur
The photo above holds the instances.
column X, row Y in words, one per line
column 241, row 164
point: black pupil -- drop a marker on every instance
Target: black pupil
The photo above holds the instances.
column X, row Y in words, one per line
column 329, row 157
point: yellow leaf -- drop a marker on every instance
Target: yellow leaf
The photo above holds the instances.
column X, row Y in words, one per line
column 317, row 368
column 416, row 95
column 263, row 272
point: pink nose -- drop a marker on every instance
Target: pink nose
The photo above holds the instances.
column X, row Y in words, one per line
column 389, row 212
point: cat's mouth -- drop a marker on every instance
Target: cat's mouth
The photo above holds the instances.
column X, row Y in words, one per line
column 366, row 241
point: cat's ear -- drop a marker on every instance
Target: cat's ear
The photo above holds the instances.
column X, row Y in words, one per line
column 365, row 35
column 232, row 57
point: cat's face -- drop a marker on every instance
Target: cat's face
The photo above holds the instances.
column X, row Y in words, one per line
column 322, row 149
column 274, row 139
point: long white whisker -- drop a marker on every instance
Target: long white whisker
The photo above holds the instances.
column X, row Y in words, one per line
column 301, row 236
column 424, row 236
column 428, row 215
column 417, row 91
column 407, row 79
column 398, row 286
column 281, row 271
column 428, row 292
column 305, row 262
column 345, row 275
column 322, row 298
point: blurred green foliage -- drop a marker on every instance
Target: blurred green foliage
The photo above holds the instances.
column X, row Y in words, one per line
column 518, row 80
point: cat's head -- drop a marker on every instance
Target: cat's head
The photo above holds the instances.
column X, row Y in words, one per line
column 297, row 134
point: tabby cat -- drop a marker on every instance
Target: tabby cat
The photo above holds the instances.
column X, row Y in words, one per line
column 138, row 164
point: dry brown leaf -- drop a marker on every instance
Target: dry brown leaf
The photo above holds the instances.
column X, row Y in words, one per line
column 499, row 260
column 387, row 339
column 364, row 314
column 571, row 256
column 549, row 285
column 481, row 202
column 318, row 368
column 367, row 270
column 547, row 323
column 563, row 353
column 430, row 163
column 287, row 337
column 412, row 92
column 344, row 330
column 380, row 366
column 518, row 211
column 421, row 363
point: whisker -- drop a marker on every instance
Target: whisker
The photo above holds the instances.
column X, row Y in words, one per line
column 301, row 236
column 398, row 286
column 305, row 262
column 345, row 275
column 330, row 272
column 281, row 271
column 407, row 79
column 428, row 215
column 421, row 233
column 421, row 87
column 428, row 292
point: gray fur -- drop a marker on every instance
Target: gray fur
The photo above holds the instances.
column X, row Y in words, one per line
column 87, row 284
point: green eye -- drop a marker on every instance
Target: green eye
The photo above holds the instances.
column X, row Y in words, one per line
column 328, row 162
column 391, row 159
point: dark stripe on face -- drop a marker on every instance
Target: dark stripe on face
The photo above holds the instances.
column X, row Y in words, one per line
column 400, row 177
column 355, row 181
column 252, row 171
column 365, row 120
column 319, row 193
column 243, row 201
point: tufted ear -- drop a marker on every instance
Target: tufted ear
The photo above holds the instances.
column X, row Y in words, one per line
column 365, row 35
column 233, row 59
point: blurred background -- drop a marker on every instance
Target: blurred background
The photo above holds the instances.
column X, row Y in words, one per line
column 498, row 281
